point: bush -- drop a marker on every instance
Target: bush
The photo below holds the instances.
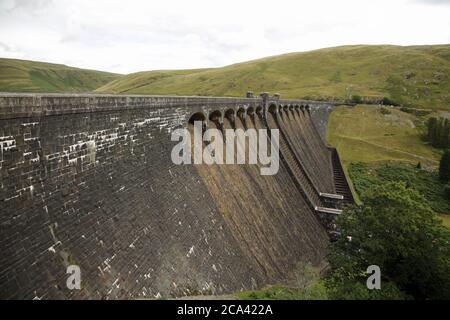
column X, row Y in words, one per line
column 356, row 98
column 396, row 230
column 387, row 101
column 367, row 176
column 357, row 290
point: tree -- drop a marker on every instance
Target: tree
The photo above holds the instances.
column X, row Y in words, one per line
column 396, row 230
column 444, row 166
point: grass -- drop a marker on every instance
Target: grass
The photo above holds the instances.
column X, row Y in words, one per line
column 364, row 133
column 306, row 284
column 415, row 75
column 316, row 291
column 31, row 76
column 385, row 144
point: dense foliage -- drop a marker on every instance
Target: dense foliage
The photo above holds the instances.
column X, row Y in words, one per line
column 367, row 176
column 397, row 230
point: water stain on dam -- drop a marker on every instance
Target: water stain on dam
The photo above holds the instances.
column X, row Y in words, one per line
column 265, row 214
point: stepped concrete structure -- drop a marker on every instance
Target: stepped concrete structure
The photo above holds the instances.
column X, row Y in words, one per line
column 88, row 180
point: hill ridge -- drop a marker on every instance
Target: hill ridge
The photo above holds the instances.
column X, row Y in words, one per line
column 417, row 76
column 410, row 75
column 34, row 76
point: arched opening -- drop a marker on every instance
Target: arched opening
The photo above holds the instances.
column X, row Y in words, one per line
column 230, row 116
column 215, row 115
column 291, row 107
column 198, row 116
column 259, row 110
column 307, row 108
column 241, row 116
column 251, row 114
column 273, row 109
column 216, row 118
column 241, row 113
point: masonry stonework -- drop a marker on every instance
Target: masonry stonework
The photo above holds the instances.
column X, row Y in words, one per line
column 88, row 180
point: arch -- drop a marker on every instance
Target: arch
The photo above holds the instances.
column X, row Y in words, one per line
column 215, row 116
column 273, row 108
column 308, row 108
column 259, row 110
column 198, row 116
column 291, row 107
column 285, row 108
column 250, row 111
column 241, row 113
column 296, row 107
column 230, row 113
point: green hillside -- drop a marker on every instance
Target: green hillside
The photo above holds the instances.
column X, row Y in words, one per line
column 415, row 75
column 373, row 134
column 31, row 76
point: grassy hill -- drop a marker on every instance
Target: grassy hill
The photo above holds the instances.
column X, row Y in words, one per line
column 31, row 76
column 415, row 75
column 369, row 133
column 384, row 144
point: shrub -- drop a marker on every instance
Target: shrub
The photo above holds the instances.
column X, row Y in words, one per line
column 367, row 176
column 356, row 98
column 396, row 230
column 387, row 101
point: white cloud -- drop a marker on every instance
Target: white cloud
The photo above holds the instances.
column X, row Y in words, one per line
column 129, row 36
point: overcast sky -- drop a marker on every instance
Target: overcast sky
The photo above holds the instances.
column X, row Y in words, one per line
column 129, row 35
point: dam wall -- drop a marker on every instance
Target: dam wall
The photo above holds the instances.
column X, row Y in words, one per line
column 88, row 180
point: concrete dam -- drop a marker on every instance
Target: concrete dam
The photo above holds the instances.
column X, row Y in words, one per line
column 88, row 180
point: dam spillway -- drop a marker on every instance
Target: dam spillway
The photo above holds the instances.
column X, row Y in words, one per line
column 88, row 180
